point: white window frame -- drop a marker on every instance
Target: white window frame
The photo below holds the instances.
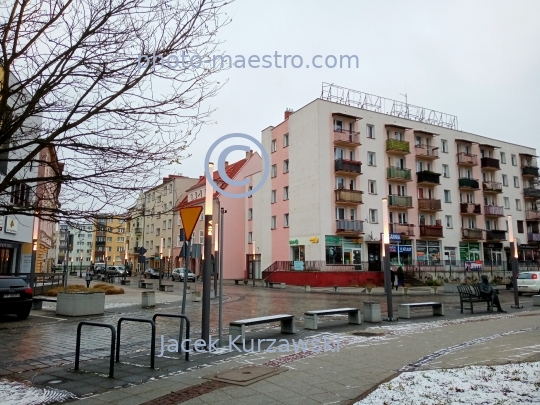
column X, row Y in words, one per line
column 518, row 204
column 372, row 162
column 372, row 187
column 505, row 180
column 250, row 214
column 503, row 158
column 273, row 224
column 373, row 216
column 273, row 197
column 285, row 193
column 449, row 194
column 273, row 146
column 250, row 237
column 274, row 171
column 514, row 160
column 516, row 182
column 507, row 203
column 370, row 130
column 448, row 221
column 285, row 140
column 286, row 220
column 444, row 146
column 286, row 166
column 446, row 171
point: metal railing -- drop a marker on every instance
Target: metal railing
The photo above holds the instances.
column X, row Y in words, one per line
column 43, row 282
column 467, row 158
column 152, row 345
column 468, row 183
column 435, row 231
column 344, row 165
column 429, row 204
column 428, row 177
column 493, row 210
column 469, row 233
column 397, row 173
column 352, row 196
column 113, row 343
column 489, row 163
column 529, row 171
column 399, row 201
column 347, row 225
column 395, row 145
column 468, row 208
column 533, row 237
column 492, row 186
column 345, row 136
column 403, row 229
column 532, row 215
column 427, row 151
column 495, row 234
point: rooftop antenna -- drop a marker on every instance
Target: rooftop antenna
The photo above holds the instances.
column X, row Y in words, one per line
column 406, row 104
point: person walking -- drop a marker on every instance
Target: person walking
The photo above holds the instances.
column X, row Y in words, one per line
column 393, row 278
column 88, row 277
column 400, row 277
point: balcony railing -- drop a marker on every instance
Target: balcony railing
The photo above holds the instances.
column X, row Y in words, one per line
column 428, row 177
column 531, row 192
column 492, row 186
column 433, row 231
column 429, row 204
column 344, row 165
column 396, row 173
column 348, row 196
column 468, row 183
column 402, row 229
column 495, row 235
column 532, row 215
column 399, row 201
column 100, row 243
column 471, row 234
column 533, row 237
column 467, row 208
column 493, row 210
column 138, row 231
column 427, row 151
column 466, row 159
column 346, row 137
column 347, row 225
column 490, row 163
column 397, row 146
column 529, row 171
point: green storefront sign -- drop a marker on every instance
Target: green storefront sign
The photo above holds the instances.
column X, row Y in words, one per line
column 332, row 240
column 293, row 242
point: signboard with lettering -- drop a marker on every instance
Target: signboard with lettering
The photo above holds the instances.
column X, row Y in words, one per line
column 314, row 240
column 473, row 266
column 12, row 224
column 394, row 237
column 293, row 242
column 335, row 240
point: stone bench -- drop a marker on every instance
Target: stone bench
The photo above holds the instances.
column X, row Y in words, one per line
column 405, row 309
column 125, row 282
column 144, row 284
column 238, row 328
column 166, row 288
column 536, row 300
column 37, row 303
column 311, row 317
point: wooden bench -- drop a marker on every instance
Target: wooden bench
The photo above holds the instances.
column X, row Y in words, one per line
column 238, row 328
column 311, row 317
column 471, row 294
column 37, row 303
column 404, row 310
column 166, row 288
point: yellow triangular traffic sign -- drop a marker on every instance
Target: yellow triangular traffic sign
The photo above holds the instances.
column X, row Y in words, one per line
column 190, row 217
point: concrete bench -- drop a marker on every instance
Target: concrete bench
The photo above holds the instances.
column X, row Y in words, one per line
column 166, row 288
column 405, row 309
column 37, row 303
column 238, row 328
column 144, row 284
column 125, row 282
column 311, row 317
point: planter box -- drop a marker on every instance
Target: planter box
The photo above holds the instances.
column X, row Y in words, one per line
column 372, row 312
column 196, row 296
column 148, row 299
column 80, row 304
column 450, row 288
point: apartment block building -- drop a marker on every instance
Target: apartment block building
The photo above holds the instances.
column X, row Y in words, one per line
column 81, row 254
column 110, row 239
column 449, row 191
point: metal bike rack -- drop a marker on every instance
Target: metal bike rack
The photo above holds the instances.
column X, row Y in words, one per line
column 187, row 328
column 113, row 342
column 152, row 348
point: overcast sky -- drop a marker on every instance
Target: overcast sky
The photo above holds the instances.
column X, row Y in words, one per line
column 478, row 60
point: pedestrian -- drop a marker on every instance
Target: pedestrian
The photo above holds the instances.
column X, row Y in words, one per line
column 393, row 277
column 487, row 291
column 88, row 277
column 400, row 277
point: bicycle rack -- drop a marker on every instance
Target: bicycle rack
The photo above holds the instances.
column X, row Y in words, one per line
column 187, row 328
column 113, row 342
column 152, row 348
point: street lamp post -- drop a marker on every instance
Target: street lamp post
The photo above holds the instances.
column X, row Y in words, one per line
column 386, row 260
column 253, row 263
column 220, row 262
column 35, row 235
column 513, row 261
column 215, row 266
column 207, row 267
column 160, row 262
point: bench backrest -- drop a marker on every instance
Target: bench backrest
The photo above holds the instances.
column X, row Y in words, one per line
column 465, row 289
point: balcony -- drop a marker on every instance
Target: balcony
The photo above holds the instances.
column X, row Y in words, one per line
column 533, row 237
column 427, row 177
column 466, row 159
column 531, row 192
column 492, row 187
column 100, row 243
column 349, row 226
column 346, row 138
column 397, row 174
column 496, row 235
column 138, row 231
column 136, row 250
column 488, row 163
column 471, row 209
column 402, row 229
column 101, row 233
column 469, row 183
column 399, row 201
column 431, row 231
column 426, row 152
column 532, row 215
column 471, row 234
column 529, row 171
column 397, row 147
column 493, row 211
column 428, row 204
column 344, row 166
column 348, row 196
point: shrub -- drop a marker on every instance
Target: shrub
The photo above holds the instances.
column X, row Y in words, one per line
column 108, row 289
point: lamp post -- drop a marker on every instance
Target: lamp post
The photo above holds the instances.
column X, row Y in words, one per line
column 513, row 261
column 207, row 266
column 220, row 262
column 253, row 263
column 386, row 260
column 216, row 260
column 160, row 261
column 35, row 234
column 169, row 267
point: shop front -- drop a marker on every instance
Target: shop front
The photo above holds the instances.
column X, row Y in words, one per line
column 343, row 250
column 8, row 254
column 469, row 252
column 428, row 253
column 493, row 254
column 401, row 252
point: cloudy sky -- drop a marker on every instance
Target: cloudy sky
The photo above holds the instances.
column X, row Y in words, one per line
column 477, row 60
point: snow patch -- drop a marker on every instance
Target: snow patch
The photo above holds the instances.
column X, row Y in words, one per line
column 16, row 393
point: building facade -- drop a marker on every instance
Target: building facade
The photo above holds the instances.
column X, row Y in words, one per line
column 81, row 252
column 109, row 240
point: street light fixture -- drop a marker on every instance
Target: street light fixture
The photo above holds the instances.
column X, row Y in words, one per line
column 513, row 261
column 253, row 262
column 207, row 266
column 386, row 260
column 160, row 261
column 220, row 307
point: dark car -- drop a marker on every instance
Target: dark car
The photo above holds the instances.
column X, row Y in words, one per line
column 15, row 297
column 151, row 273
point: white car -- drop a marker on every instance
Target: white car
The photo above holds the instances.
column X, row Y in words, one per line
column 529, row 282
column 178, row 274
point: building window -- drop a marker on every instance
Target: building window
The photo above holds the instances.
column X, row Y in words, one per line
column 373, row 216
column 109, row 239
column 20, row 195
column 370, row 130
column 274, row 170
column 505, row 180
column 372, row 187
column 120, row 239
column 285, row 193
column 371, row 159
column 250, row 237
column 506, row 202
column 250, row 214
column 201, row 237
column 273, row 222
column 503, row 157
column 520, row 226
column 249, row 190
column 444, row 145
column 446, row 171
column 447, row 198
column 516, row 181
column 448, row 220
column 273, row 197
column 286, row 166
column 285, row 140
column 514, row 160
column 518, row 205
column 273, row 146
column 286, row 220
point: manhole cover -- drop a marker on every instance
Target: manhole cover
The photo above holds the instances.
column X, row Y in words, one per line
column 246, row 375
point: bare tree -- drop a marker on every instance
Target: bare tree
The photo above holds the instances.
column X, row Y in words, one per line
column 88, row 78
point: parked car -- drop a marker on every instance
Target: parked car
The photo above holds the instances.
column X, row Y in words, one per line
column 122, row 270
column 529, row 282
column 151, row 273
column 15, row 297
column 178, row 274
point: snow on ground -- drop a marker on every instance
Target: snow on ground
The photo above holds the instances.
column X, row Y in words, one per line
column 16, row 393
column 475, row 385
